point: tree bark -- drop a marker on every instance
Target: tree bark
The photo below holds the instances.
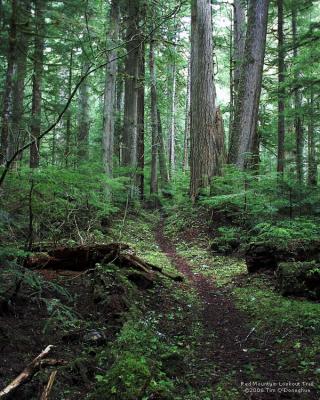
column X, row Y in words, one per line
column 231, row 72
column 205, row 151
column 110, row 90
column 239, row 39
column 281, row 91
column 83, row 118
column 131, row 88
column 312, row 161
column 69, row 115
column 16, row 136
column 38, row 58
column 220, row 134
column 1, row 14
column 249, row 89
column 140, row 122
column 237, row 44
column 186, row 140
column 118, row 132
column 297, row 102
column 162, row 154
column 7, row 95
column 154, row 122
column 172, row 118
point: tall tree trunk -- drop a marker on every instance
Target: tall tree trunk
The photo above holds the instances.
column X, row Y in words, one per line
column 131, row 87
column 162, row 154
column 239, row 39
column 281, row 90
column 249, row 89
column 1, row 14
column 172, row 119
column 140, row 122
column 16, row 137
column 83, row 118
column 220, row 135
column 38, row 57
column 237, row 57
column 7, row 95
column 118, row 130
column 110, row 90
column 53, row 147
column 255, row 158
column 231, row 72
column 154, row 122
column 69, row 115
column 297, row 102
column 205, row 151
column 186, row 140
column 312, row 161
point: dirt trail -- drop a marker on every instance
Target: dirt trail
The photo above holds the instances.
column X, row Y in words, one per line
column 227, row 333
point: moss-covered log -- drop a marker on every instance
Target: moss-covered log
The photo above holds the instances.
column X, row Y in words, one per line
column 299, row 279
column 267, row 256
column 82, row 258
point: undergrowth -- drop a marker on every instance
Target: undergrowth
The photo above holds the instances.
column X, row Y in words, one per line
column 294, row 326
column 160, row 336
column 137, row 230
column 133, row 365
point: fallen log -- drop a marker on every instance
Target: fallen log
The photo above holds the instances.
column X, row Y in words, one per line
column 262, row 256
column 82, row 258
column 76, row 258
column 26, row 375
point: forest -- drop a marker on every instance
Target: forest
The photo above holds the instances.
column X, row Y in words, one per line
column 159, row 199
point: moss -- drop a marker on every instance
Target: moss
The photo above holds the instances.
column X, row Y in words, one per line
column 299, row 279
column 138, row 232
column 292, row 326
column 223, row 269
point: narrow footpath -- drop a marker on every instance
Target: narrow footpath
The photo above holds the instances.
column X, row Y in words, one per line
column 229, row 342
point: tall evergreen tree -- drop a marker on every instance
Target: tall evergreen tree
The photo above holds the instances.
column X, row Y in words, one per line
column 16, row 137
column 244, row 129
column 38, row 60
column 154, row 121
column 281, row 90
column 141, row 121
column 205, row 149
column 133, row 41
column 7, row 93
column 110, row 88
column 298, row 126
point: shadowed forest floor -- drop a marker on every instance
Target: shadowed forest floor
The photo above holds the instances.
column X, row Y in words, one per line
column 208, row 337
column 228, row 344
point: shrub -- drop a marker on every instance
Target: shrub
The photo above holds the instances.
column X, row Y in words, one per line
column 228, row 239
column 136, row 371
column 64, row 202
column 284, row 232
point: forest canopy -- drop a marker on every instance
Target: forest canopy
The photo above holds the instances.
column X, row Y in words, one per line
column 135, row 87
